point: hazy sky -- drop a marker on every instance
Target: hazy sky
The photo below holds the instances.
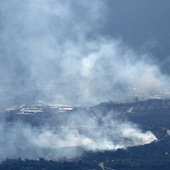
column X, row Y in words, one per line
column 141, row 24
column 83, row 50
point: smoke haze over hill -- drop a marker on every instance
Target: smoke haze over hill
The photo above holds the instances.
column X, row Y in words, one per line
column 80, row 133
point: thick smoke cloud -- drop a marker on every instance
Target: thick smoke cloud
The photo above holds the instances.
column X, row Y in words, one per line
column 80, row 133
column 53, row 50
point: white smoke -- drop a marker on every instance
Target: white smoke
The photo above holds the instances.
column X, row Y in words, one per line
column 81, row 131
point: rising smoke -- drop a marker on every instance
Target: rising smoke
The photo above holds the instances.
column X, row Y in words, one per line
column 53, row 51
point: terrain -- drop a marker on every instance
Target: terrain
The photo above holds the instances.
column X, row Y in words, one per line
column 150, row 115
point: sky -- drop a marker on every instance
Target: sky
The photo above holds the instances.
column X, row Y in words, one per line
column 144, row 25
column 77, row 52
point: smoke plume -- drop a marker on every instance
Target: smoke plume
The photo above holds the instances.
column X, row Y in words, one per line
column 80, row 133
column 53, row 51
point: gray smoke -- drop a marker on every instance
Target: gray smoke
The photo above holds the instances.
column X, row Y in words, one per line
column 53, row 51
